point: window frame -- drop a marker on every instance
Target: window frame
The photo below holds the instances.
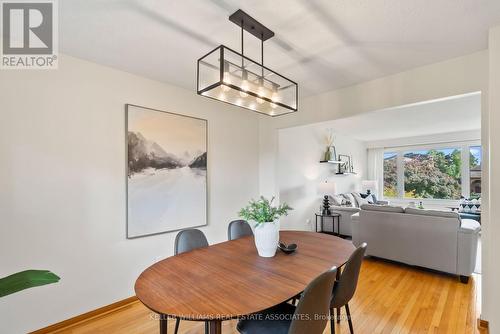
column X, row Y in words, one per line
column 464, row 147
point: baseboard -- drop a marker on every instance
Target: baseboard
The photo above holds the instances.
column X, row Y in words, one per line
column 483, row 324
column 86, row 316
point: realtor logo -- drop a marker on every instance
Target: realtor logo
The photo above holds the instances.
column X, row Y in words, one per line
column 29, row 31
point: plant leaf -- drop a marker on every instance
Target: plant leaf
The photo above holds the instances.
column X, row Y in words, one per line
column 25, row 280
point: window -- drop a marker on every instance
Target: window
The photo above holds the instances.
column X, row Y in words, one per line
column 434, row 173
column 390, row 175
column 475, row 159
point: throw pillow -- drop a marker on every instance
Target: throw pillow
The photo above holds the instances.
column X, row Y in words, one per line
column 350, row 199
column 360, row 200
column 337, row 199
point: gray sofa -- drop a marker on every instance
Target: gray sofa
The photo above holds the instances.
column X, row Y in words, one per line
column 437, row 240
column 346, row 205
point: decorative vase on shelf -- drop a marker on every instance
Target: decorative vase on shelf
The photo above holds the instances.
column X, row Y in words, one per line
column 328, row 154
column 267, row 236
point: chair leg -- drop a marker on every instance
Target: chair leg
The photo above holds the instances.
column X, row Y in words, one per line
column 163, row 324
column 332, row 321
column 206, row 327
column 338, row 315
column 351, row 329
column 177, row 322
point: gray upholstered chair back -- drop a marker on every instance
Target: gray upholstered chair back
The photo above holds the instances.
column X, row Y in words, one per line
column 189, row 239
column 345, row 287
column 238, row 229
column 311, row 314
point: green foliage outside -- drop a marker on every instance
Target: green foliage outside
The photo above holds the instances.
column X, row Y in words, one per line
column 427, row 174
column 262, row 211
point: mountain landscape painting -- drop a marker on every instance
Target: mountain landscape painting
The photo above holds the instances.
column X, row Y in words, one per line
column 166, row 172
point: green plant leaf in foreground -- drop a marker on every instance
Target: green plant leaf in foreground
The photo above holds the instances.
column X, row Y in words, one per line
column 25, row 280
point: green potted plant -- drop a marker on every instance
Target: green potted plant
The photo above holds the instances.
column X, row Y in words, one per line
column 266, row 218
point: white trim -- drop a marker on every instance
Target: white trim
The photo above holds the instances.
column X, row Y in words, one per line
column 465, row 171
column 400, row 174
column 438, row 146
column 449, row 137
column 441, row 99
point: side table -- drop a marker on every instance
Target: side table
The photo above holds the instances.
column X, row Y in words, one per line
column 334, row 217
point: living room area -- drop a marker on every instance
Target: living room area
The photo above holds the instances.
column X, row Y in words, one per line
column 203, row 166
column 394, row 177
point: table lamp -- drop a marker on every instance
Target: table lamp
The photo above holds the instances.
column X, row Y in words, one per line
column 326, row 188
column 369, row 187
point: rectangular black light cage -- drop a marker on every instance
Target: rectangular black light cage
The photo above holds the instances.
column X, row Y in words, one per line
column 228, row 76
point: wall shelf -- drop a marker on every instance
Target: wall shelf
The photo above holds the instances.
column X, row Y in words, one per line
column 335, row 162
column 342, row 166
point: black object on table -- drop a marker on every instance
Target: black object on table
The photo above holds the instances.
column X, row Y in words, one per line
column 334, row 216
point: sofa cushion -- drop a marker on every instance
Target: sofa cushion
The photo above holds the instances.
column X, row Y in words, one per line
column 434, row 213
column 469, row 226
column 382, row 208
column 351, row 199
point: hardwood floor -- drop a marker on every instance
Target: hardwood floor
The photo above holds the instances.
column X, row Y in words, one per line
column 391, row 298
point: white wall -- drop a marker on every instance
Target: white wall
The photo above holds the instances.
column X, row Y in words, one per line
column 299, row 170
column 62, row 184
column 492, row 124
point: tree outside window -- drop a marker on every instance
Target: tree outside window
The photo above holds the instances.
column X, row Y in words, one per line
column 434, row 173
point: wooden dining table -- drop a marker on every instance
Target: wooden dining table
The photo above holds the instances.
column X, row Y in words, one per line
column 230, row 280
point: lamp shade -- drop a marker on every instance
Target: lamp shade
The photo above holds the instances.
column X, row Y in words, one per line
column 371, row 185
column 327, row 188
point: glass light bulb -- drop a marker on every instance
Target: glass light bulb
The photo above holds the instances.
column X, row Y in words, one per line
column 274, row 106
column 244, row 86
column 275, row 97
column 226, row 81
column 259, row 100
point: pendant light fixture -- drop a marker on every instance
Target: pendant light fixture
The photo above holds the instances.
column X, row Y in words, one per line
column 228, row 76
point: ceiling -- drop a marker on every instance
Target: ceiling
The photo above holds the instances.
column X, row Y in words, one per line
column 321, row 44
column 456, row 114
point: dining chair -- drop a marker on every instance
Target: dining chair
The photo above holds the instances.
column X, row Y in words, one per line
column 185, row 241
column 189, row 239
column 345, row 287
column 309, row 316
column 238, row 229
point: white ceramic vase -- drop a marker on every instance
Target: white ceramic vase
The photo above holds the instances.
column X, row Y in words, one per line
column 267, row 236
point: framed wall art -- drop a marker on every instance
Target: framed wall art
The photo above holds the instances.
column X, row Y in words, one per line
column 166, row 171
